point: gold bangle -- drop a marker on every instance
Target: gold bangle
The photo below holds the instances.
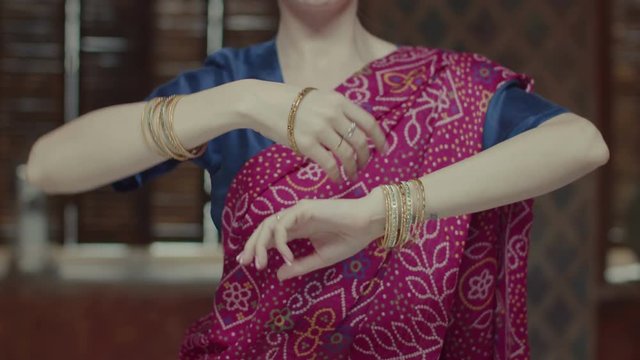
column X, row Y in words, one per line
column 395, row 215
column 416, row 211
column 158, row 117
column 164, row 130
column 402, row 213
column 194, row 152
column 292, row 117
column 419, row 203
column 163, row 133
column 403, row 218
column 179, row 150
column 387, row 207
column 144, row 124
column 154, row 127
column 390, row 221
column 408, row 215
column 432, row 215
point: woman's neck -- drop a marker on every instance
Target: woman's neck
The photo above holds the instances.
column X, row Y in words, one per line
column 321, row 47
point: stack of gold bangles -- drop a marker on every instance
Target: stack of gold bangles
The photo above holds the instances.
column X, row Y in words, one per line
column 405, row 205
column 157, row 124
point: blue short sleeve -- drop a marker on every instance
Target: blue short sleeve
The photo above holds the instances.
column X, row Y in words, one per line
column 512, row 111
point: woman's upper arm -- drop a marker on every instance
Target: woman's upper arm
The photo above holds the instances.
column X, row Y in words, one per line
column 513, row 110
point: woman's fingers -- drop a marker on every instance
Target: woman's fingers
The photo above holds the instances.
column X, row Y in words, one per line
column 367, row 123
column 262, row 243
column 329, row 116
column 272, row 232
column 248, row 253
column 345, row 152
column 296, row 222
column 280, row 240
column 301, row 266
column 358, row 142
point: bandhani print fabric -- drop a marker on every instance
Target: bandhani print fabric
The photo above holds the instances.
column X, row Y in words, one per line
column 457, row 292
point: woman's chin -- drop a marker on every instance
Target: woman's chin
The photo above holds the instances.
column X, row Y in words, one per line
column 316, row 2
column 317, row 13
column 319, row 3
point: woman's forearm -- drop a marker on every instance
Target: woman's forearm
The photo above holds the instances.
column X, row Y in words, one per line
column 534, row 163
column 107, row 144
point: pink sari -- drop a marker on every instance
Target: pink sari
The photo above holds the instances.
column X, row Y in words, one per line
column 457, row 293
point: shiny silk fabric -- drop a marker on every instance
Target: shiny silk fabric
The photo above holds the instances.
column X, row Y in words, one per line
column 458, row 292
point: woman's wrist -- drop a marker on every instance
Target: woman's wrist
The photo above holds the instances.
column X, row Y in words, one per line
column 376, row 211
column 411, row 197
column 248, row 105
column 215, row 111
column 243, row 106
column 263, row 106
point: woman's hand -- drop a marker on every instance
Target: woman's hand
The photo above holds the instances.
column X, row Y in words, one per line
column 322, row 119
column 337, row 229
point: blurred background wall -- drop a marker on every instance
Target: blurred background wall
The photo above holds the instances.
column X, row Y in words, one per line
column 122, row 274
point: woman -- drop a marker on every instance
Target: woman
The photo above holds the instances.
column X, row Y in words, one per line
column 466, row 130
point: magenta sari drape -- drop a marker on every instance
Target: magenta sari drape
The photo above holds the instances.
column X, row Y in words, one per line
column 457, row 293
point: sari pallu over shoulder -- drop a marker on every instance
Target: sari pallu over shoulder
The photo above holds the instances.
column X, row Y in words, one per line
column 458, row 292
